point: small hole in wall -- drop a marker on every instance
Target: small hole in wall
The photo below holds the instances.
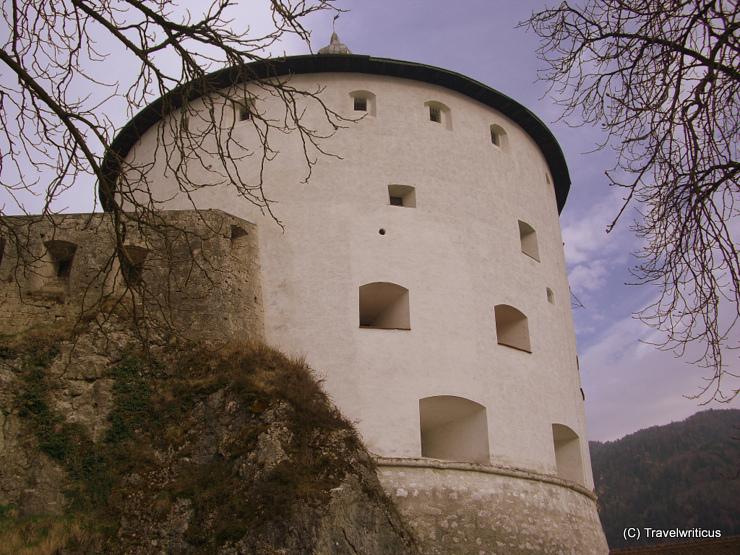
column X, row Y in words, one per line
column 381, row 231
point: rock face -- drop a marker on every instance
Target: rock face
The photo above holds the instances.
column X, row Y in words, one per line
column 181, row 450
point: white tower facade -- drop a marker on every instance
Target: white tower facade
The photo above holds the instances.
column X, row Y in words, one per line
column 421, row 272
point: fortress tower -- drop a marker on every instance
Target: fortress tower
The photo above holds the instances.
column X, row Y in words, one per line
column 421, row 271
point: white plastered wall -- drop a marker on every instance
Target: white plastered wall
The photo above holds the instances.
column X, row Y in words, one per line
column 458, row 252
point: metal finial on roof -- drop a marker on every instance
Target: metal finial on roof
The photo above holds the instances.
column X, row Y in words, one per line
column 335, row 46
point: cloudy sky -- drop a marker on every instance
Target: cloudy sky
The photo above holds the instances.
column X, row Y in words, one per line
column 628, row 384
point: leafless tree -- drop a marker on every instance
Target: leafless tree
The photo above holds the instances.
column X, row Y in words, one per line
column 661, row 78
column 64, row 65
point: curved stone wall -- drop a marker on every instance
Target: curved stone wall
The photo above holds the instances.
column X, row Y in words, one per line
column 464, row 509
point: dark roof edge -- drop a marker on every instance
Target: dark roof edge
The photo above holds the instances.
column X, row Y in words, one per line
column 338, row 63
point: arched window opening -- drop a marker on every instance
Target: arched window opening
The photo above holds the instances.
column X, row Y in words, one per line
column 453, row 429
column 402, row 195
column 439, row 113
column 132, row 260
column 384, row 306
column 512, row 328
column 567, row 453
column 363, row 101
column 62, row 254
column 498, row 136
column 550, row 295
column 435, row 114
column 528, row 239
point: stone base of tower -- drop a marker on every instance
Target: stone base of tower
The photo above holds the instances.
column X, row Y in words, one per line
column 471, row 509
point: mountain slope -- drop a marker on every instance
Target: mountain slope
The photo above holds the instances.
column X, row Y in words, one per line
column 682, row 475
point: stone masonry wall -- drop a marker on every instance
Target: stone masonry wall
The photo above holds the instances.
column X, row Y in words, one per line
column 196, row 272
column 465, row 509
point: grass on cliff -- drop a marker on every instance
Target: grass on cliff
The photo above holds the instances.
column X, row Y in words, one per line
column 154, row 412
column 259, row 379
column 43, row 535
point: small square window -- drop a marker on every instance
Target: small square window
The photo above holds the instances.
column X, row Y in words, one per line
column 435, row 114
column 360, row 104
column 244, row 110
column 402, row 195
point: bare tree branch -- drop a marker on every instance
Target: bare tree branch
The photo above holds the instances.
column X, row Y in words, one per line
column 661, row 78
column 65, row 65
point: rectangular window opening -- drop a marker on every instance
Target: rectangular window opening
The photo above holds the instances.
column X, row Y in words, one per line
column 360, row 104
column 435, row 114
column 64, row 267
column 402, row 195
column 244, row 110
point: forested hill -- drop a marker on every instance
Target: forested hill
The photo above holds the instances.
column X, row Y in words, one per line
column 682, row 475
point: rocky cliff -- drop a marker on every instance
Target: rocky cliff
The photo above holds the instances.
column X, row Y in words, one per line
column 106, row 447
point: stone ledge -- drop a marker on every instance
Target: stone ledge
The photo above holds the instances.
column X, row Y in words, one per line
column 485, row 469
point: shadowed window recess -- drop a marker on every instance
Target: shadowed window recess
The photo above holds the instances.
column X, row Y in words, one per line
column 384, row 305
column 131, row 259
column 512, row 328
column 363, row 101
column 62, row 255
column 402, row 195
column 567, row 453
column 439, row 113
column 453, row 429
column 498, row 136
column 528, row 240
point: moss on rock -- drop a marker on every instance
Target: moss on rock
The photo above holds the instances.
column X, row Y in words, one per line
column 233, row 450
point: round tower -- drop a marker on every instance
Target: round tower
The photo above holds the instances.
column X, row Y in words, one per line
column 420, row 270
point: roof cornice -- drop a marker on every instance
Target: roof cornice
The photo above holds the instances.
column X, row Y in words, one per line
column 337, row 63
